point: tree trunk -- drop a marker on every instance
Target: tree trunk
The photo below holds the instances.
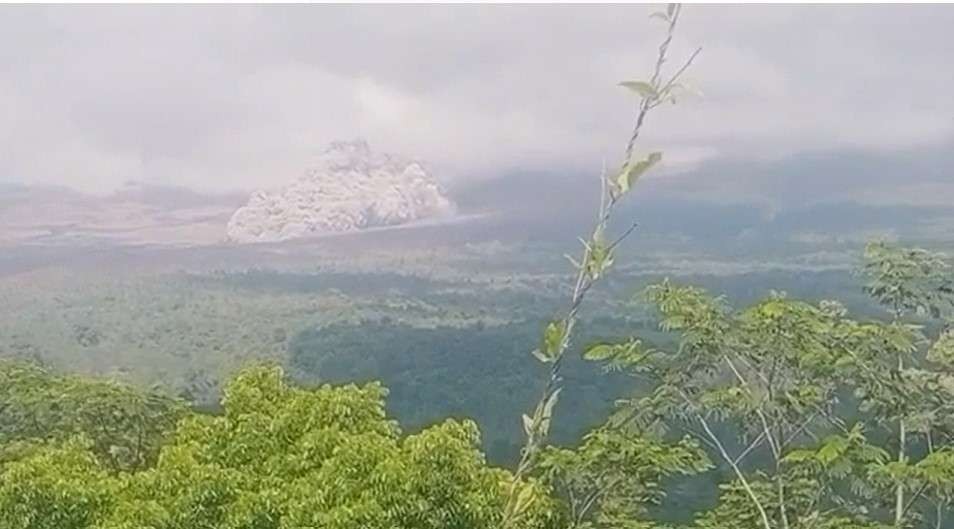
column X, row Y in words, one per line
column 902, row 441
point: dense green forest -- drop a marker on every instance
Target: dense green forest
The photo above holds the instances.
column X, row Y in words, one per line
column 724, row 417
column 446, row 371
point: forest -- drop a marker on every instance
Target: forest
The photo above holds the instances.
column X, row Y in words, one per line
column 783, row 413
column 283, row 400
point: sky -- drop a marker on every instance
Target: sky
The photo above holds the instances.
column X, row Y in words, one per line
column 242, row 97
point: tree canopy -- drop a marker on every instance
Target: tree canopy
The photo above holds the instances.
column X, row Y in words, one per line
column 277, row 457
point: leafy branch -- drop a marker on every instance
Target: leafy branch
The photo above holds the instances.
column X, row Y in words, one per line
column 597, row 257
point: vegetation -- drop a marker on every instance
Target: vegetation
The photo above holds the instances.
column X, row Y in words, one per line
column 798, row 414
column 446, row 371
column 124, row 426
column 801, row 405
column 795, row 409
column 596, row 259
column 275, row 457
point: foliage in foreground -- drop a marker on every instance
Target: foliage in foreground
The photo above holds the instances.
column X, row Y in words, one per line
column 278, row 457
column 122, row 425
column 819, row 420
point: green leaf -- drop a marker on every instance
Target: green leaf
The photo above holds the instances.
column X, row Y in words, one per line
column 599, row 352
column 942, row 351
column 642, row 88
column 799, row 456
column 599, row 257
column 553, row 338
column 832, row 450
column 628, row 177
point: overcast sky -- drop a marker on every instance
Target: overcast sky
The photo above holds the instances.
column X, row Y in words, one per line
column 220, row 97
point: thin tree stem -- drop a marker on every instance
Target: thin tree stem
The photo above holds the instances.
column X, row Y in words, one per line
column 735, row 468
column 899, row 509
column 584, row 279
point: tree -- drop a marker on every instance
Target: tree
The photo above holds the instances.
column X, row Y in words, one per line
column 61, row 486
column 125, row 426
column 761, row 389
column 789, row 397
column 611, row 478
column 907, row 282
column 278, row 457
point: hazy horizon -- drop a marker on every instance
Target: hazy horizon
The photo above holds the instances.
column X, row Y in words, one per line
column 218, row 98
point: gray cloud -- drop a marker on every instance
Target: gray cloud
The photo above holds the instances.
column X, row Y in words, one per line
column 242, row 96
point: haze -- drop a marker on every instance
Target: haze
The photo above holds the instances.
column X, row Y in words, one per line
column 242, row 97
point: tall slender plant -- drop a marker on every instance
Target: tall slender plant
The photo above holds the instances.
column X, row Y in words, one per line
column 597, row 254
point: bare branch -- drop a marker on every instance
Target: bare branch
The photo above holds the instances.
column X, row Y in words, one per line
column 622, row 237
column 735, row 468
column 752, row 446
column 672, row 80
